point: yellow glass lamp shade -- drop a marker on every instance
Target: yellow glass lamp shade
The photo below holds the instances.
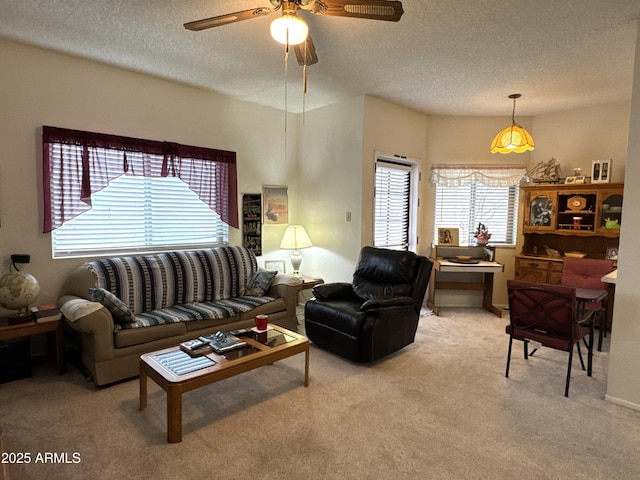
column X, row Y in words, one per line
column 514, row 138
column 289, row 30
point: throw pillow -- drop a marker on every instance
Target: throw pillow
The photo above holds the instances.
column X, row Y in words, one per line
column 119, row 310
column 260, row 283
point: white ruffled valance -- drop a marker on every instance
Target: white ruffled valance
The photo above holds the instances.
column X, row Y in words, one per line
column 488, row 175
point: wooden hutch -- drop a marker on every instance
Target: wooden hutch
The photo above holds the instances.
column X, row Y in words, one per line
column 560, row 219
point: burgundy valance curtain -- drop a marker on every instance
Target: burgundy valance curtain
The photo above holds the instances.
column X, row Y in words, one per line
column 77, row 164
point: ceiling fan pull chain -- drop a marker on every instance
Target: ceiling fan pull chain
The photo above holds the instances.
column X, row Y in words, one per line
column 304, row 91
column 286, row 91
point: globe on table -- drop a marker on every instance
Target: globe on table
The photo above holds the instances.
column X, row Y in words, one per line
column 18, row 290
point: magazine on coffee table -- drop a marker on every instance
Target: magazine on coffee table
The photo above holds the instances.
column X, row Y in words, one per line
column 179, row 363
column 196, row 347
column 223, row 342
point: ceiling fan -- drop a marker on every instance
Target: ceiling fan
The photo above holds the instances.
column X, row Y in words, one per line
column 305, row 51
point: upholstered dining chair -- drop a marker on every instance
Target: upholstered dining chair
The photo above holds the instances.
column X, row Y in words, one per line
column 375, row 314
column 588, row 273
column 547, row 314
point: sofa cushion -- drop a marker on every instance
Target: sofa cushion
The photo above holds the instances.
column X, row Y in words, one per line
column 120, row 312
column 276, row 306
column 196, row 311
column 260, row 283
column 139, row 336
column 157, row 281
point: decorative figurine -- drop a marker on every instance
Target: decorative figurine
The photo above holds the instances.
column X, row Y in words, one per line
column 482, row 235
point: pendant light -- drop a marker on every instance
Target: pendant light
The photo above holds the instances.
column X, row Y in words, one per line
column 514, row 138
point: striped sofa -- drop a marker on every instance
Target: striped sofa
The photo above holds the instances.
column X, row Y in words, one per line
column 163, row 299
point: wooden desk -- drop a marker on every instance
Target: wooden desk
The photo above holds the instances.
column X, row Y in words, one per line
column 446, row 266
column 26, row 329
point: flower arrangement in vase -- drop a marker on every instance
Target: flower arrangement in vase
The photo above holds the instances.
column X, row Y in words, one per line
column 482, row 235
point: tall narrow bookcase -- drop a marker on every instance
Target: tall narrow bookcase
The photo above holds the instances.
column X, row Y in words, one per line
column 252, row 222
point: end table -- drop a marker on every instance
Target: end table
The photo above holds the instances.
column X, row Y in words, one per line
column 26, row 329
column 308, row 283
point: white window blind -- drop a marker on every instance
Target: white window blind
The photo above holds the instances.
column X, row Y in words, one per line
column 469, row 195
column 465, row 206
column 135, row 214
column 392, row 205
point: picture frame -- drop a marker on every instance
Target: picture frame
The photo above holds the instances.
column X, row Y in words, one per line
column 276, row 205
column 275, row 265
column 575, row 179
column 449, row 236
column 601, row 171
column 612, row 253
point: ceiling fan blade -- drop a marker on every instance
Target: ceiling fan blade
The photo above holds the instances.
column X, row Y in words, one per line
column 205, row 23
column 306, row 52
column 390, row 11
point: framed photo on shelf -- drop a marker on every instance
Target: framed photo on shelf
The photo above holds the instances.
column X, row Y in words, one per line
column 601, row 171
column 275, row 266
column 448, row 236
column 612, row 253
column 575, row 179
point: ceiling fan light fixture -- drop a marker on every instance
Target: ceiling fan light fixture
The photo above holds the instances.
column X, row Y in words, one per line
column 514, row 138
column 289, row 30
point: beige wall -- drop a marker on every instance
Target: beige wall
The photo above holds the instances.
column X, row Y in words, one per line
column 578, row 137
column 337, row 174
column 330, row 184
column 466, row 140
column 624, row 361
column 392, row 130
column 44, row 88
column 573, row 138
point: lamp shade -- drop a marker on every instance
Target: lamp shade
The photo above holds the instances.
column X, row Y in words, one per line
column 295, row 237
column 289, row 30
column 512, row 139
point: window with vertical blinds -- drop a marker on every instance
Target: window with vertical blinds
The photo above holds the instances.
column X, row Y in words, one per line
column 134, row 214
column 392, row 205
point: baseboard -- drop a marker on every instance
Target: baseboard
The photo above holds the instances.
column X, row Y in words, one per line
column 624, row 403
column 500, row 310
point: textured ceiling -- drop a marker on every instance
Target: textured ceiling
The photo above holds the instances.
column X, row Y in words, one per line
column 444, row 57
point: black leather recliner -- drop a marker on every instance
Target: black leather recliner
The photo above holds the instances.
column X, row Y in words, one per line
column 375, row 315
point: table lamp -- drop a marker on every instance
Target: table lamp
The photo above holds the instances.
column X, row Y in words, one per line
column 295, row 238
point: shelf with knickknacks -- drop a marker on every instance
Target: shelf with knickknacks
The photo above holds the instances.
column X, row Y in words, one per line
column 482, row 235
column 252, row 222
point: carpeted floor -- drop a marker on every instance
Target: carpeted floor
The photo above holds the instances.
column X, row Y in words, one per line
column 439, row 409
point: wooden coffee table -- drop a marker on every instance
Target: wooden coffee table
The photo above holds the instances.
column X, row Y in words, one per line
column 262, row 349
